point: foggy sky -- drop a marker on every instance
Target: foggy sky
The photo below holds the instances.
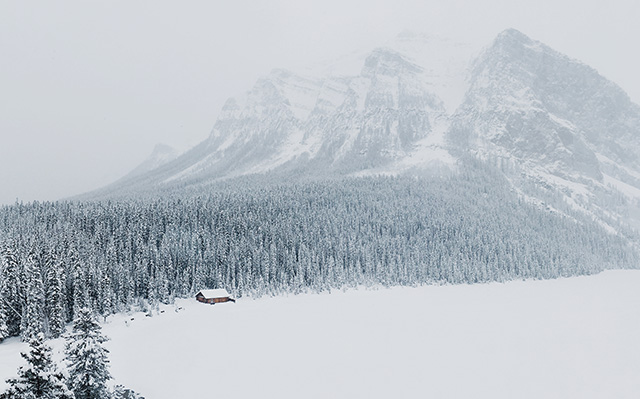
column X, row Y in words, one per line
column 88, row 88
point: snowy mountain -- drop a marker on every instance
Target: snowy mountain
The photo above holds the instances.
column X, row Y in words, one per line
column 420, row 104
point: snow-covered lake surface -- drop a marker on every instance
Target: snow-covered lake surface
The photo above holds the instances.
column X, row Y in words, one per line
column 569, row 338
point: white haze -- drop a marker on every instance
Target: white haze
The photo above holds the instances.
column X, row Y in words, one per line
column 88, row 88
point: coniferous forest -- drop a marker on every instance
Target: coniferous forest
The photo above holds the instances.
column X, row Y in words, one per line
column 256, row 240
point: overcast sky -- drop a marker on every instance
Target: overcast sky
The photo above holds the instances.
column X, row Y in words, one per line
column 87, row 88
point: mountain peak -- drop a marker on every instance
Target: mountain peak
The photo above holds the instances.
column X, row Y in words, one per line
column 512, row 41
column 512, row 34
column 384, row 61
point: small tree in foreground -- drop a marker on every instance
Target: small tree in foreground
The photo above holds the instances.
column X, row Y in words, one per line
column 120, row 392
column 87, row 358
column 39, row 379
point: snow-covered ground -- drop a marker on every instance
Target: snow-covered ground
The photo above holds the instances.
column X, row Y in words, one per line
column 567, row 338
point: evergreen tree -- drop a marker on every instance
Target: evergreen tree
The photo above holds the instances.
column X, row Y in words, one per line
column 87, row 358
column 55, row 298
column 33, row 316
column 10, row 289
column 39, row 379
column 105, row 299
column 78, row 282
column 4, row 330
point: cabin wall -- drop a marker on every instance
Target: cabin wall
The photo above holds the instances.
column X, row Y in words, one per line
column 212, row 300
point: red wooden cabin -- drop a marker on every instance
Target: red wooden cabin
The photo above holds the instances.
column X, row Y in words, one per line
column 214, row 296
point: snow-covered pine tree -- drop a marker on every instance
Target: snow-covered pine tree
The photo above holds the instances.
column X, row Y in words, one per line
column 79, row 283
column 10, row 289
column 105, row 298
column 87, row 358
column 39, row 379
column 55, row 298
column 33, row 315
column 4, row 330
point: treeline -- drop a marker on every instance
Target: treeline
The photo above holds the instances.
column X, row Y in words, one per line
column 256, row 240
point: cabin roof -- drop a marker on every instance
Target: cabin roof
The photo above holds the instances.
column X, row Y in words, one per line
column 215, row 293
